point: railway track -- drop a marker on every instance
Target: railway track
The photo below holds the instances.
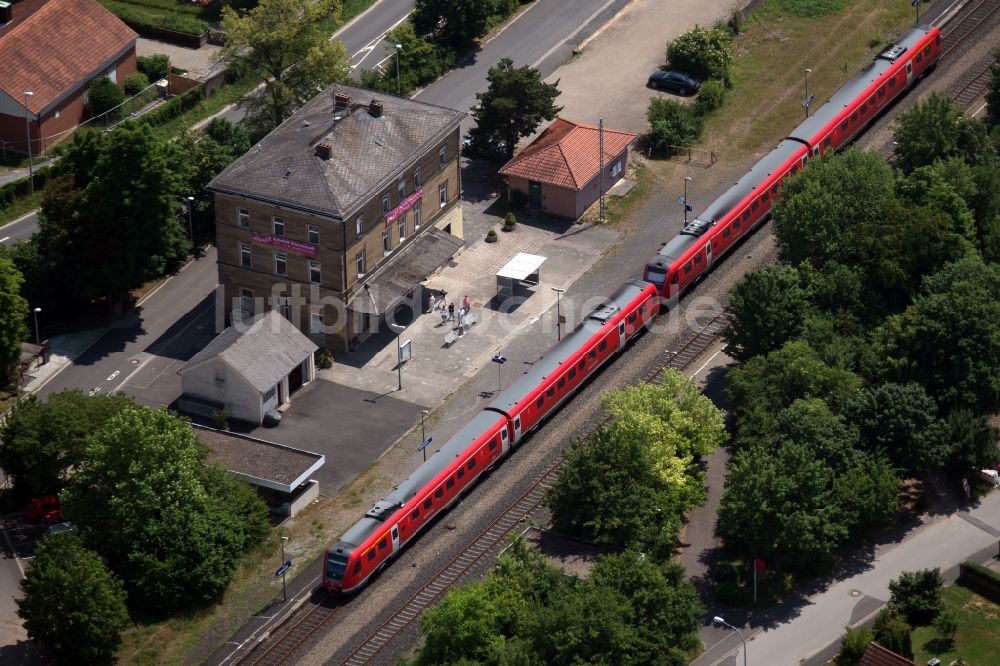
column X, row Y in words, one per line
column 954, row 33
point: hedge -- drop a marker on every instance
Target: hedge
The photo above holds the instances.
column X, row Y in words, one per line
column 983, row 579
column 173, row 107
column 19, row 189
column 139, row 17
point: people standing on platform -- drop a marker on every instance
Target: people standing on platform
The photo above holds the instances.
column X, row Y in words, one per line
column 461, row 316
column 466, row 303
column 443, row 312
column 430, row 304
column 451, row 312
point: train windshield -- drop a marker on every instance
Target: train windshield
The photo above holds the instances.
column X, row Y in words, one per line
column 655, row 275
column 335, row 566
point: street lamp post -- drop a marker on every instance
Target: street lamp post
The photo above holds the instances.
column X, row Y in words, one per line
column 38, row 338
column 399, row 47
column 559, row 292
column 806, row 73
column 399, row 354
column 284, row 587
column 719, row 620
column 423, row 436
column 190, row 205
column 687, row 179
column 27, row 129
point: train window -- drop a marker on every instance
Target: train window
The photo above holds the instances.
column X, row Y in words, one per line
column 764, row 197
column 927, row 50
column 827, row 141
column 450, row 483
column 383, row 543
column 428, row 503
column 746, row 213
column 414, row 514
column 371, row 554
column 357, row 566
column 795, row 169
column 774, row 189
column 920, row 57
column 582, row 364
column 592, row 354
column 892, row 83
column 687, row 267
column 471, row 464
column 843, row 126
column 493, row 444
column 460, row 473
column 603, row 345
column 676, row 278
column 561, row 383
column 538, row 403
column 881, row 91
column 854, row 117
column 439, row 493
column 572, row 373
column 725, row 232
column 631, row 318
column 551, row 392
column 736, row 224
column 697, row 258
column 864, row 107
column 755, row 205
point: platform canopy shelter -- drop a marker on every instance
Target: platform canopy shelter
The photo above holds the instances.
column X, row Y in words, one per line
column 522, row 269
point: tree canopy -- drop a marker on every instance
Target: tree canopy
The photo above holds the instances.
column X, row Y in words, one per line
column 927, row 131
column 284, row 42
column 13, row 312
column 104, row 96
column 72, row 604
column 455, row 23
column 768, row 307
column 993, row 90
column 703, row 53
column 916, row 595
column 514, row 105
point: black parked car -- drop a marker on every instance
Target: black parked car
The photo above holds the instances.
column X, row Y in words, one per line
column 676, row 81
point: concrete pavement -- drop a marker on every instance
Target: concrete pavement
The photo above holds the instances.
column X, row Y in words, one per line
column 804, row 630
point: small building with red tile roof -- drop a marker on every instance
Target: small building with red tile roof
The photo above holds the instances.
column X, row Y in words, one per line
column 560, row 171
column 876, row 655
column 54, row 49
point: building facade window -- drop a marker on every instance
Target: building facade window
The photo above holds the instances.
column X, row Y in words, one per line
column 387, row 242
column 316, row 322
column 245, row 256
column 246, row 303
column 314, row 234
column 280, row 263
column 220, row 374
column 416, row 179
column 416, row 216
column 402, row 228
column 359, row 261
column 315, row 274
column 385, row 204
column 359, row 225
column 443, row 194
column 243, row 218
column 401, row 190
column 616, row 168
column 442, row 156
column 278, row 226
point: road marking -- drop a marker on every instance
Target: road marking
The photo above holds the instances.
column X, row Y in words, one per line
column 712, row 358
column 370, row 46
column 4, row 239
column 13, row 551
column 131, row 374
column 113, row 375
column 94, row 392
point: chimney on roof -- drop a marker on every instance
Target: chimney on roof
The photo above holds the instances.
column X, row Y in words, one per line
column 341, row 102
column 324, row 151
column 375, row 108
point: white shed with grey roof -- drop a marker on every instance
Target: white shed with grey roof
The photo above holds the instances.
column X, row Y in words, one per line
column 249, row 369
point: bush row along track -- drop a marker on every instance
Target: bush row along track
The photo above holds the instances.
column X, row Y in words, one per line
column 488, row 542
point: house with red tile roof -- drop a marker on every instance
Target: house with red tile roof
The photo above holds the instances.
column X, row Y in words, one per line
column 560, row 171
column 54, row 49
column 876, row 655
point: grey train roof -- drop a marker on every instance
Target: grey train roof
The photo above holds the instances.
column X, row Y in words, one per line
column 562, row 351
column 857, row 85
column 423, row 475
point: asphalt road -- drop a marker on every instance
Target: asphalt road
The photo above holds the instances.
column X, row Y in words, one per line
column 19, row 230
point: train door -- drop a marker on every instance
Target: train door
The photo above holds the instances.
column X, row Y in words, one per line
column 395, row 538
column 909, row 73
column 517, row 428
column 621, row 335
column 708, row 255
column 504, row 441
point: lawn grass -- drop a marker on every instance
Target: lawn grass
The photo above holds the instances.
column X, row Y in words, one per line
column 227, row 94
column 977, row 642
column 21, row 207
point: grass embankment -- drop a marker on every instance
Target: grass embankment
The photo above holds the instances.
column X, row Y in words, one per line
column 977, row 642
column 761, row 109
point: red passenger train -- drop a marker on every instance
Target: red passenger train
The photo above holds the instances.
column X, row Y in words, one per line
column 395, row 520
column 691, row 254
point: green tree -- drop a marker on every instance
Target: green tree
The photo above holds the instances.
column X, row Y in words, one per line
column 135, row 83
column 514, row 105
column 901, row 421
column 972, row 442
column 768, row 307
column 240, row 500
column 711, row 96
column 828, row 197
column 454, row 23
column 284, row 43
column 226, row 134
column 104, row 96
column 672, row 123
column 13, row 312
column 462, row 627
column 72, row 603
column 916, row 595
column 960, row 302
column 893, row 633
column 155, row 66
column 853, row 645
column 927, row 131
column 40, row 442
column 928, row 186
column 420, row 62
column 116, row 195
column 140, row 500
column 993, row 90
column 946, row 623
column 985, row 204
column 703, row 53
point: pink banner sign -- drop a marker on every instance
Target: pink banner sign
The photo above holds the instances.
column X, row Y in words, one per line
column 404, row 205
column 284, row 243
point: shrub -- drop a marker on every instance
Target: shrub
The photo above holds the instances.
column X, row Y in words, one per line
column 893, row 633
column 518, row 199
column 702, row 53
column 155, row 66
column 173, row 107
column 324, row 359
column 221, row 418
column 711, row 96
column 671, row 123
column 509, row 221
column 135, row 84
column 491, row 235
column 916, row 595
column 853, row 645
column 946, row 624
column 105, row 96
